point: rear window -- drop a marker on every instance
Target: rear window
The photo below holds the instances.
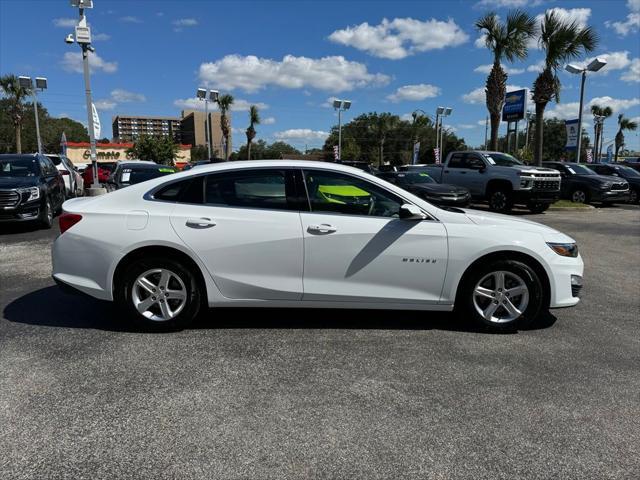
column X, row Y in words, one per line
column 131, row 176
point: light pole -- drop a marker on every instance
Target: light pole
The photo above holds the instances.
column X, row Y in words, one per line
column 595, row 65
column 83, row 38
column 446, row 111
column 41, row 84
column 340, row 106
column 210, row 96
column 486, row 132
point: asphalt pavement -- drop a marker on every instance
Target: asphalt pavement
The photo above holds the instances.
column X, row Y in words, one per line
column 289, row 394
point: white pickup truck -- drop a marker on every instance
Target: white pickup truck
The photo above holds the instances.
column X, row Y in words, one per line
column 499, row 179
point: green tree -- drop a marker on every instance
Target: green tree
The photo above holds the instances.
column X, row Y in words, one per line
column 225, row 102
column 279, row 149
column 15, row 94
column 505, row 41
column 200, row 152
column 561, row 41
column 161, row 150
column 623, row 124
column 555, row 139
column 604, row 112
column 254, row 119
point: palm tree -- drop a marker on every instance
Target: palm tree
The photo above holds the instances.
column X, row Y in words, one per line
column 623, row 124
column 16, row 94
column 383, row 125
column 506, row 41
column 225, row 102
column 254, row 119
column 561, row 41
column 604, row 112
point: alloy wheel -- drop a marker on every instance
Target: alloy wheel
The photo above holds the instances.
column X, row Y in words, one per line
column 633, row 196
column 159, row 294
column 499, row 201
column 579, row 197
column 501, row 297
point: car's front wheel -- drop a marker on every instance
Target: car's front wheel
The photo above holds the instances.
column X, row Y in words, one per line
column 500, row 201
column 159, row 294
column 502, row 295
column 579, row 196
column 46, row 214
column 634, row 196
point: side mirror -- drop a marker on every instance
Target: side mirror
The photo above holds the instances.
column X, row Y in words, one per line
column 411, row 212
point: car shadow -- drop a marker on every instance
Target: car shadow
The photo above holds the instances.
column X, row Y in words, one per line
column 19, row 227
column 78, row 311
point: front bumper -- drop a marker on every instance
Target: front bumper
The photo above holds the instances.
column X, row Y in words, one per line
column 621, row 196
column 449, row 200
column 21, row 213
column 536, row 196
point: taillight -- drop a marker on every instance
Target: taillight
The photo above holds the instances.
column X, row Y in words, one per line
column 68, row 220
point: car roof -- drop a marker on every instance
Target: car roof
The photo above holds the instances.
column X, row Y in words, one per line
column 275, row 163
column 144, row 166
column 20, row 155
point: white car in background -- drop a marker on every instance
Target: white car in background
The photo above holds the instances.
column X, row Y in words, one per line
column 73, row 182
column 280, row 233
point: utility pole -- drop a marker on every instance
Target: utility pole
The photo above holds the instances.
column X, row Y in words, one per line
column 486, row 132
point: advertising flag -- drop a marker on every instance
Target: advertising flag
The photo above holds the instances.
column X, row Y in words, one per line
column 96, row 122
column 572, row 134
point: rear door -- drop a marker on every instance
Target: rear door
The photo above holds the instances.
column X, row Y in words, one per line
column 244, row 225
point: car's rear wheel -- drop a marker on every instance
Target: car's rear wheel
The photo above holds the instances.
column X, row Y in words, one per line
column 159, row 294
column 46, row 214
column 634, row 196
column 502, row 295
column 500, row 201
column 579, row 196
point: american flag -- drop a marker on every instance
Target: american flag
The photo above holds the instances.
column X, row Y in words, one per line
column 436, row 154
column 336, row 154
column 589, row 155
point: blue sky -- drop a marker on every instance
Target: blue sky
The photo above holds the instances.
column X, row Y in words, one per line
column 291, row 58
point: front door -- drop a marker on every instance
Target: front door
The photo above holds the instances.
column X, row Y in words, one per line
column 245, row 229
column 356, row 248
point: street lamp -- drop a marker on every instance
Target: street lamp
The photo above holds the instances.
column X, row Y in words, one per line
column 83, row 38
column 41, row 84
column 210, row 96
column 440, row 113
column 595, row 65
column 340, row 106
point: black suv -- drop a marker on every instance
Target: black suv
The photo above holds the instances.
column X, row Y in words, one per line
column 580, row 184
column 622, row 171
column 31, row 188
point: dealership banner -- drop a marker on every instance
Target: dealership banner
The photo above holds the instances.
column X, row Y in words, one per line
column 572, row 134
column 96, row 122
column 436, row 154
column 515, row 104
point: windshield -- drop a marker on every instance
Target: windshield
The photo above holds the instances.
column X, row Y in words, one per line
column 414, row 178
column 576, row 169
column 18, row 167
column 628, row 171
column 132, row 176
column 502, row 159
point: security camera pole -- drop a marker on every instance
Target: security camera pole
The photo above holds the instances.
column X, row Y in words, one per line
column 83, row 38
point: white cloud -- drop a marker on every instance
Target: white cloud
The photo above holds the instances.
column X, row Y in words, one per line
column 633, row 5
column 414, row 93
column 105, row 104
column 568, row 111
column 239, row 104
column 100, row 37
column 268, row 121
column 624, row 28
column 477, row 95
column 72, row 62
column 251, row 73
column 633, row 74
column 181, row 23
column 401, row 37
column 467, row 126
column 65, row 22
column 536, row 67
column 506, row 3
column 480, row 42
column 130, row 19
column 301, row 134
column 122, row 96
column 616, row 104
column 487, row 69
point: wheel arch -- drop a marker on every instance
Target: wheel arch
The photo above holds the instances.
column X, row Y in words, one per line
column 525, row 258
column 499, row 183
column 163, row 251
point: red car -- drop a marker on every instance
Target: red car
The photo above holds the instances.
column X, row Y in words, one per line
column 104, row 171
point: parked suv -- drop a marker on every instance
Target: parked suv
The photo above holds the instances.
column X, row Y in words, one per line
column 31, row 188
column 622, row 171
column 500, row 179
column 582, row 185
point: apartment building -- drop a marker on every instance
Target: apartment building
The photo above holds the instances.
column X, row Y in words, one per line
column 128, row 128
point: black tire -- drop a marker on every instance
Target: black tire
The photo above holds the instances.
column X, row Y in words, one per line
column 634, row 195
column 125, row 297
column 62, row 200
column 45, row 218
column 500, row 200
column 537, row 207
column 579, row 195
column 466, row 304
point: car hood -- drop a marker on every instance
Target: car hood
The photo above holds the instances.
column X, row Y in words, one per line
column 596, row 179
column 439, row 189
column 515, row 223
column 18, row 182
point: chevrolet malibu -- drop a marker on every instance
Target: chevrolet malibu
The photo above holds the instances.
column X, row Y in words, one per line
column 306, row 234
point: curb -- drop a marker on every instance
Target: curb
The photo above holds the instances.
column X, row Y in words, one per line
column 588, row 208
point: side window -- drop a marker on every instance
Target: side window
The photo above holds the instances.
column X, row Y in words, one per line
column 339, row 193
column 474, row 162
column 249, row 189
column 456, row 161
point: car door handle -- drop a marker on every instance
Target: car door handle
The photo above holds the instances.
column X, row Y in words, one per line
column 323, row 228
column 200, row 223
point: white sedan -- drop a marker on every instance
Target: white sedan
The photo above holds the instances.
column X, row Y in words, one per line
column 280, row 233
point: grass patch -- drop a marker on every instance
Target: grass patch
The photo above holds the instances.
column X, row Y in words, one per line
column 568, row 204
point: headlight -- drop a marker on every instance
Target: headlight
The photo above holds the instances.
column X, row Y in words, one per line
column 605, row 186
column 28, row 194
column 564, row 249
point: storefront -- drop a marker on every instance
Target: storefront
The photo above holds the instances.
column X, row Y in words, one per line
column 78, row 152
